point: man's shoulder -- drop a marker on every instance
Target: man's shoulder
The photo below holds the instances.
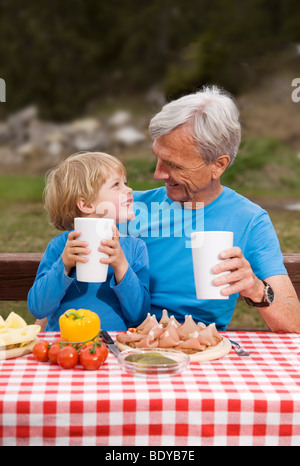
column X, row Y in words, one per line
column 236, row 200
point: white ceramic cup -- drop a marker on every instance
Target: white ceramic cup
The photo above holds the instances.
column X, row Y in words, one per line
column 206, row 248
column 93, row 230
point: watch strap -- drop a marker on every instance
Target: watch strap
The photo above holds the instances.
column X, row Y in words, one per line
column 267, row 302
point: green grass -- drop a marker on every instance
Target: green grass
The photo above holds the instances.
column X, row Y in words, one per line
column 264, row 168
column 20, row 189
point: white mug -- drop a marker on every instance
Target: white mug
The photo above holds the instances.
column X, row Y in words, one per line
column 93, row 230
column 206, row 248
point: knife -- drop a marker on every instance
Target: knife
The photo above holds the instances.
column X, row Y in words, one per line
column 106, row 338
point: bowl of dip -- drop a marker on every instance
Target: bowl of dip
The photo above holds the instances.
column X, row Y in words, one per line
column 153, row 362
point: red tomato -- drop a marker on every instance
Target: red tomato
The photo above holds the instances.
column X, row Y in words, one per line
column 53, row 352
column 40, row 351
column 59, row 340
column 67, row 357
column 82, row 348
column 92, row 360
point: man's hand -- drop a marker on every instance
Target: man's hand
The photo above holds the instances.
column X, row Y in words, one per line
column 284, row 314
column 116, row 258
column 241, row 276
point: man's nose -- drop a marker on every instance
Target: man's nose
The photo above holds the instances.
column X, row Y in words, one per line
column 160, row 171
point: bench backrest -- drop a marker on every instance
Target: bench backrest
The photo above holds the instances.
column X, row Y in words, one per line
column 18, row 271
column 17, row 274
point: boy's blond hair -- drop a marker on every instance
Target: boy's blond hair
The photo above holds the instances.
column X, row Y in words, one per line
column 79, row 176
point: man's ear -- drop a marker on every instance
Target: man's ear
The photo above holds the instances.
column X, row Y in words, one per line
column 220, row 165
column 85, row 207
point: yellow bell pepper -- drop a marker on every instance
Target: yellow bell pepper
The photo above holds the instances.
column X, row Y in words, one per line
column 80, row 325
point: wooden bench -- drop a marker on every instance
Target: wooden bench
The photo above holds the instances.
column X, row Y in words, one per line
column 18, row 271
column 17, row 274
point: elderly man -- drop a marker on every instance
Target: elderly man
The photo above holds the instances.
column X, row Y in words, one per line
column 195, row 139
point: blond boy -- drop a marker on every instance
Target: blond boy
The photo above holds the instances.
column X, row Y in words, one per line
column 91, row 184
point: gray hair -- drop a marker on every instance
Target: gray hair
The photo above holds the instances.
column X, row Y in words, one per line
column 211, row 119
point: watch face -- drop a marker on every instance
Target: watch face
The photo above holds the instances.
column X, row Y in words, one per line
column 269, row 294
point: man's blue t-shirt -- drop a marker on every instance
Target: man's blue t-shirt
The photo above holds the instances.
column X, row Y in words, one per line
column 166, row 226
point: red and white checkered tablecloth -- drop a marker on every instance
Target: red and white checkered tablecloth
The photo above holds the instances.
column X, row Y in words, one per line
column 230, row 401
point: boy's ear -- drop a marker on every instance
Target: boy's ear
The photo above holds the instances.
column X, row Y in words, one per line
column 84, row 207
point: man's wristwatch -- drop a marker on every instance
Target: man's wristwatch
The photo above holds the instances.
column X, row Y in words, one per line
column 268, row 298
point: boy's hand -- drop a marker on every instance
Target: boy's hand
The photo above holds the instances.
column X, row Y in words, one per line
column 116, row 258
column 72, row 250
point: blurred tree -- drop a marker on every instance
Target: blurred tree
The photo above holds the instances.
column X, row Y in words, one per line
column 236, row 38
column 62, row 55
